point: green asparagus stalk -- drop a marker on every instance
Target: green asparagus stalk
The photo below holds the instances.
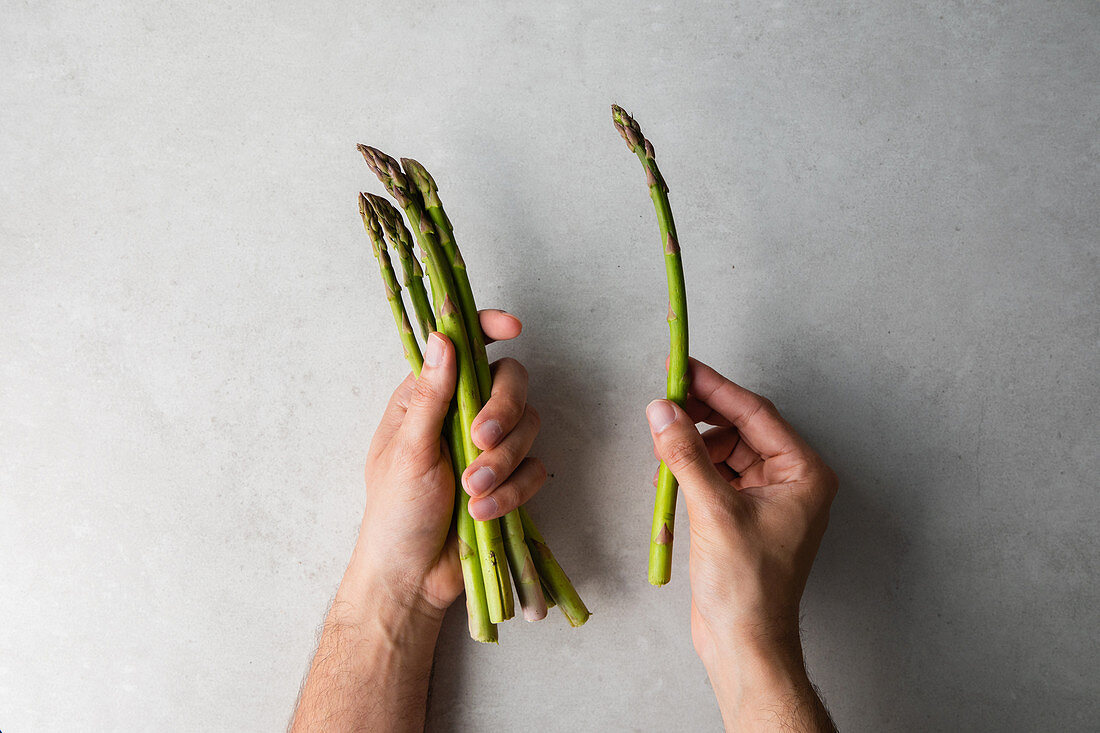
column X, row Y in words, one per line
column 418, row 175
column 498, row 585
column 664, row 506
column 393, row 290
column 550, row 603
column 557, row 582
column 477, row 611
column 481, row 625
column 399, row 237
column 525, row 578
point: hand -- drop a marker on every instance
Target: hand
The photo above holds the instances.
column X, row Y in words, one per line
column 405, row 545
column 374, row 657
column 758, row 502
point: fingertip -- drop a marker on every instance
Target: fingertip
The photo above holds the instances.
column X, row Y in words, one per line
column 484, row 509
column 488, row 434
column 479, row 481
column 500, row 325
column 436, row 349
column 660, row 414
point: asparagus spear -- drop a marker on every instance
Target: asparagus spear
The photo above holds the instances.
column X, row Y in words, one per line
column 498, row 585
column 429, row 192
column 664, row 506
column 525, row 578
column 397, row 234
column 557, row 582
column 477, row 611
column 393, row 290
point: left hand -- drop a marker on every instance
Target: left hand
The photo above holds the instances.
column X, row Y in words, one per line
column 406, row 547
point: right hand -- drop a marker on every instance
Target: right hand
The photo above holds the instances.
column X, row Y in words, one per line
column 758, row 502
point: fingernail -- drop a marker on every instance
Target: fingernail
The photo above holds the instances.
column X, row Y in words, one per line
column 483, row 509
column 660, row 415
column 434, row 353
column 480, row 481
column 490, row 433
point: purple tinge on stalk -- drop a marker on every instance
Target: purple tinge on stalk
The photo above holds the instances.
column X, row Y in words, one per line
column 672, row 246
column 664, row 537
column 448, row 308
column 388, row 171
column 529, row 576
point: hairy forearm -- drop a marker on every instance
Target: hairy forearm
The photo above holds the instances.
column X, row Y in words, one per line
column 764, row 687
column 372, row 666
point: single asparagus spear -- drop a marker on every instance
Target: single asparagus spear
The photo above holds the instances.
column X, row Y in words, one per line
column 481, row 625
column 418, row 175
column 557, row 582
column 529, row 590
column 399, row 237
column 498, row 585
column 477, row 611
column 393, row 290
column 550, row 603
column 664, row 507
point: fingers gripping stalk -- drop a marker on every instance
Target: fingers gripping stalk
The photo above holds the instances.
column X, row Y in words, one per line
column 664, row 506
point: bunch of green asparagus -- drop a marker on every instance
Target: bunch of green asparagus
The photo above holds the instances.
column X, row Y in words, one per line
column 492, row 553
column 664, row 506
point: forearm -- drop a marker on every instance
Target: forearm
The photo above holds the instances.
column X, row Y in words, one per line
column 763, row 686
column 373, row 663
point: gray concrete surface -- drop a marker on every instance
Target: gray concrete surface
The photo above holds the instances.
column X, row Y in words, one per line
column 889, row 215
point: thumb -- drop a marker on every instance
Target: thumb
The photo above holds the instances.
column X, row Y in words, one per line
column 681, row 448
column 431, row 396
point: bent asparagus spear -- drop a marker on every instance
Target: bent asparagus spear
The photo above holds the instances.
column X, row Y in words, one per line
column 664, row 506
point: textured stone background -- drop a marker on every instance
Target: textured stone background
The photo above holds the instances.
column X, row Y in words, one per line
column 889, row 215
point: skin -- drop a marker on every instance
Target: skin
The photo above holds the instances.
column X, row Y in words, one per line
column 374, row 657
column 757, row 499
column 758, row 502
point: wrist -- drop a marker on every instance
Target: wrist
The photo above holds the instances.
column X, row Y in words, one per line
column 758, row 676
column 367, row 598
column 374, row 659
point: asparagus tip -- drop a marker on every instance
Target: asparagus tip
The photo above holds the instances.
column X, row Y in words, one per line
column 628, row 128
column 388, row 172
column 420, row 176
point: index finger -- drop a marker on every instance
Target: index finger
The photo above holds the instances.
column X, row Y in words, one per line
column 755, row 417
column 498, row 325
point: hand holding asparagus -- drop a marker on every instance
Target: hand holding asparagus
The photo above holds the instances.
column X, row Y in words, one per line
column 492, row 552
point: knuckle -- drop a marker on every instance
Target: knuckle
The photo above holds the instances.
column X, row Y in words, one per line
column 425, row 393
column 539, row 467
column 514, row 406
column 507, row 498
column 514, row 366
column 505, row 459
column 831, row 482
column 533, row 416
column 680, row 453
